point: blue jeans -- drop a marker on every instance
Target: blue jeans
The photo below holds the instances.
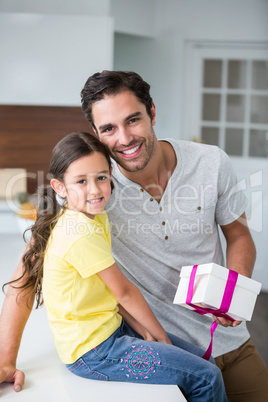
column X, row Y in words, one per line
column 125, row 356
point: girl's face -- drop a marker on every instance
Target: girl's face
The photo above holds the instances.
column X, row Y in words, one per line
column 86, row 184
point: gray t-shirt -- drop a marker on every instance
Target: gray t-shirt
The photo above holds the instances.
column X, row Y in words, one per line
column 151, row 241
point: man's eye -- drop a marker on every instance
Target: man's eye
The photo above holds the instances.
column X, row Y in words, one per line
column 133, row 120
column 108, row 129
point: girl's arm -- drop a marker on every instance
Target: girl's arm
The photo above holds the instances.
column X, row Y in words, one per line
column 133, row 302
column 14, row 316
column 134, row 324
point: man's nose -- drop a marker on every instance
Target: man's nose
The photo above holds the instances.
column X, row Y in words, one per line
column 124, row 137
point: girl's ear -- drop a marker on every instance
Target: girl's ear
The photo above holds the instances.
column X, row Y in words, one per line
column 58, row 187
column 112, row 184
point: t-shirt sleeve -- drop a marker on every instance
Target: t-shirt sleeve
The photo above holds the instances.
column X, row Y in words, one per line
column 90, row 254
column 231, row 198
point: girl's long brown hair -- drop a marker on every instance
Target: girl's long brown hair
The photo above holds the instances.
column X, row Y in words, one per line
column 68, row 150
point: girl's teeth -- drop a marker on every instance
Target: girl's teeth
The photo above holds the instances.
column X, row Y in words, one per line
column 131, row 151
column 94, row 201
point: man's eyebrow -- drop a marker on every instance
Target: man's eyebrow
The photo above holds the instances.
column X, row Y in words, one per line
column 104, row 126
column 129, row 117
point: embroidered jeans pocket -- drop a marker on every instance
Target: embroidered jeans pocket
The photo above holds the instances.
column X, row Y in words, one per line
column 82, row 369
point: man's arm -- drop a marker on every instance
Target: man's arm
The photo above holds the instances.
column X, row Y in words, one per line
column 14, row 316
column 240, row 253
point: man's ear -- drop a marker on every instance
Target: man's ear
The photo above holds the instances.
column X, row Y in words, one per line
column 95, row 131
column 153, row 111
column 58, row 187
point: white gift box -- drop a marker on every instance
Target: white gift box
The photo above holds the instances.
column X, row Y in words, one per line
column 209, row 286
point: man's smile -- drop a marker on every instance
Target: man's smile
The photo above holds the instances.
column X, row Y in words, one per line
column 134, row 151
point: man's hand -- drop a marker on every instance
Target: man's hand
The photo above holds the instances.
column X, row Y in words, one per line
column 225, row 322
column 11, row 374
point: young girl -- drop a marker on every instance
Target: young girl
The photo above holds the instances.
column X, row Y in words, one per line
column 69, row 261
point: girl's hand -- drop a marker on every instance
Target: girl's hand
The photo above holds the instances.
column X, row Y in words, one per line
column 165, row 340
column 147, row 336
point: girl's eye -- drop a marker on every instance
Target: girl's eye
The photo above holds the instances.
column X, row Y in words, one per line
column 100, row 178
column 82, row 181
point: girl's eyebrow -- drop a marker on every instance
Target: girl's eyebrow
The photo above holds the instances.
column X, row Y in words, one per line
column 129, row 117
column 91, row 174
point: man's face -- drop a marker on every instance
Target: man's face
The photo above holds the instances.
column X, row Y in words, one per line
column 124, row 125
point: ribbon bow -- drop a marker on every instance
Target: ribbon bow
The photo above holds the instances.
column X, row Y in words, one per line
column 224, row 307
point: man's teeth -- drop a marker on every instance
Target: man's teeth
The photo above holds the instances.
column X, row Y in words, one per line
column 131, row 151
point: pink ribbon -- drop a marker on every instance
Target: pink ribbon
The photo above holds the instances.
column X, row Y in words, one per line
column 224, row 307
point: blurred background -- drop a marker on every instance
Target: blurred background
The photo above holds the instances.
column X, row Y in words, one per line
column 206, row 62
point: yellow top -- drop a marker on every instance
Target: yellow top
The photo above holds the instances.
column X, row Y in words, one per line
column 81, row 309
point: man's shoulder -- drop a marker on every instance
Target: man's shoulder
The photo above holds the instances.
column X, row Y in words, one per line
column 192, row 146
column 194, row 152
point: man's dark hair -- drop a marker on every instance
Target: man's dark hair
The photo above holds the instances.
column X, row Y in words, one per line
column 109, row 83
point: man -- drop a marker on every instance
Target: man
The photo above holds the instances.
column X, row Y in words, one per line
column 169, row 198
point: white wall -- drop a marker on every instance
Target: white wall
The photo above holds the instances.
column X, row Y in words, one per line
column 215, row 19
column 135, row 17
column 51, row 47
column 73, row 7
column 46, row 59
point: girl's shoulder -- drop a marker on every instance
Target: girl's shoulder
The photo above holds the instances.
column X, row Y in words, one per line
column 73, row 228
column 78, row 224
column 101, row 218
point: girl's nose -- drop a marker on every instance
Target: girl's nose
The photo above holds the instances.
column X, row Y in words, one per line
column 93, row 187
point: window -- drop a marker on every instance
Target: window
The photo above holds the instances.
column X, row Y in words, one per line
column 228, row 102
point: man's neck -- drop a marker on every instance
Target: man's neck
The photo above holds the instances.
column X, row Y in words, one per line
column 155, row 176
